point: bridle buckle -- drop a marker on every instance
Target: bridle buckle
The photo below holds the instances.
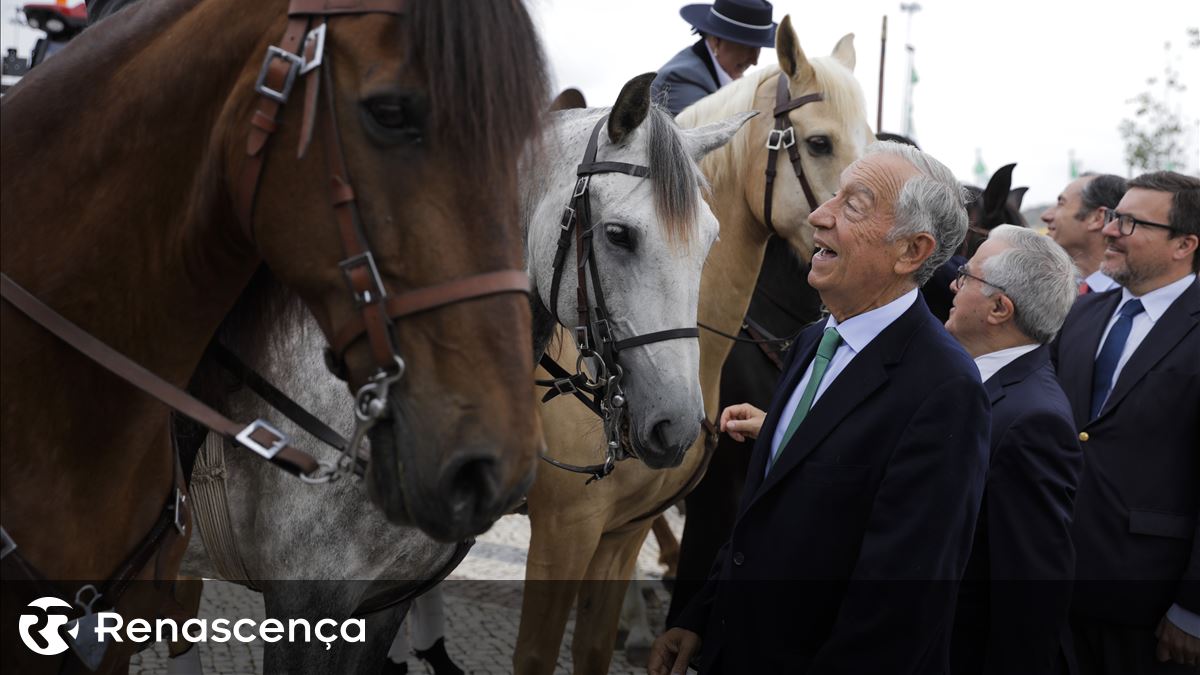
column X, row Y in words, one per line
column 246, row 438
column 364, row 296
column 315, row 37
column 781, row 138
column 295, row 63
column 568, row 218
column 581, row 186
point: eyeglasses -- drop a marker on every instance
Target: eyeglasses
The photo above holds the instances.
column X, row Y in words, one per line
column 1126, row 223
column 964, row 274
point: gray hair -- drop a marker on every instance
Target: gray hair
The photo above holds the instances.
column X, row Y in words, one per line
column 932, row 203
column 1037, row 275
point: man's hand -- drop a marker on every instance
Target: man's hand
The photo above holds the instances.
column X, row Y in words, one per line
column 672, row 650
column 1174, row 644
column 742, row 421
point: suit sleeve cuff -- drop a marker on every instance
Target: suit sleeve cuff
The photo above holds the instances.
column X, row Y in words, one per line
column 1185, row 620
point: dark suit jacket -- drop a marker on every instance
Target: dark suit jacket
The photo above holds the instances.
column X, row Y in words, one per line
column 846, row 558
column 688, row 77
column 1135, row 529
column 1012, row 607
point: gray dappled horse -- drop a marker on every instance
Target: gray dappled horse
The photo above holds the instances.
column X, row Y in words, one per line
column 318, row 552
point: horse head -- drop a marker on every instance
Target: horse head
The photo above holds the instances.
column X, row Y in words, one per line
column 828, row 132
column 650, row 235
column 416, row 133
column 997, row 204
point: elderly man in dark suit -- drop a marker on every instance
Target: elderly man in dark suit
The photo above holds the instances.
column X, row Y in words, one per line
column 857, row 516
column 732, row 33
column 1010, row 301
column 1129, row 362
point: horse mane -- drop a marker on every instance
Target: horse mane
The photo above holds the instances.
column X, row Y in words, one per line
column 834, row 80
column 674, row 176
column 487, row 79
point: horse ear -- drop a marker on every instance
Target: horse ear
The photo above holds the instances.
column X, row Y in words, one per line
column 569, row 99
column 843, row 51
column 996, row 194
column 700, row 141
column 1015, row 197
column 631, row 107
column 787, row 49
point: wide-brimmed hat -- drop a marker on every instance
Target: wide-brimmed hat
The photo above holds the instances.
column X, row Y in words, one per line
column 746, row 22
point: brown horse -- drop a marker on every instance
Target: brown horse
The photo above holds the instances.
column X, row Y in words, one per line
column 122, row 209
column 585, row 540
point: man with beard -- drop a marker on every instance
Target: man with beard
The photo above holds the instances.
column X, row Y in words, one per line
column 1129, row 362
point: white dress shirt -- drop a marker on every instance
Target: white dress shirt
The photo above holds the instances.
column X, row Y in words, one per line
column 990, row 364
column 1155, row 303
column 723, row 78
column 857, row 332
column 1100, row 282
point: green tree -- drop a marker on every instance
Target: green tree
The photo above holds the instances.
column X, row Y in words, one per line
column 1155, row 137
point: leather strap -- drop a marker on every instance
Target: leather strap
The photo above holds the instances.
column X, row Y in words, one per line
column 658, row 336
column 332, row 7
column 433, row 297
column 784, row 135
column 288, row 458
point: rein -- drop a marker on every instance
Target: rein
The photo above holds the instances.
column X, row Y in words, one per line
column 594, row 336
column 783, row 136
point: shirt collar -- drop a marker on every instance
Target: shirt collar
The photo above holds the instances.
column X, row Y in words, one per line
column 858, row 331
column 1157, row 301
column 723, row 78
column 1099, row 282
column 990, row 364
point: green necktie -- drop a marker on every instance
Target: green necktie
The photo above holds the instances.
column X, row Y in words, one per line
column 829, row 344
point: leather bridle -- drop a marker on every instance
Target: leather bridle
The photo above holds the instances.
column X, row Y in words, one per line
column 783, row 136
column 301, row 54
column 593, row 332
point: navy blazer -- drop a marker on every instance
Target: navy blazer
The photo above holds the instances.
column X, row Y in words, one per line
column 845, row 559
column 688, row 77
column 1136, row 521
column 1015, row 595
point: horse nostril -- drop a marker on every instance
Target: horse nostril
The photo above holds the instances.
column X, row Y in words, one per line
column 660, row 435
column 472, row 485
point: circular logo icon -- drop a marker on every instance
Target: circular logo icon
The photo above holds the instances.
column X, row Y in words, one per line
column 32, row 624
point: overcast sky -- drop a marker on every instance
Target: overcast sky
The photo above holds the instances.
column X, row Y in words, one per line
column 1026, row 81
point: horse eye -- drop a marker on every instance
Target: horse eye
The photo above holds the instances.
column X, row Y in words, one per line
column 620, row 235
column 819, row 145
column 395, row 119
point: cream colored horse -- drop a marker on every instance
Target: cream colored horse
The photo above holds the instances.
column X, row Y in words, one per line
column 585, row 539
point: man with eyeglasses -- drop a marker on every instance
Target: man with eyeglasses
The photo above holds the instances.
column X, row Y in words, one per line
column 1129, row 362
column 1076, row 219
column 1010, row 300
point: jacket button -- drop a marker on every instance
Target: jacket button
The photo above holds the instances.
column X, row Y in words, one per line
column 1083, row 436
column 738, row 558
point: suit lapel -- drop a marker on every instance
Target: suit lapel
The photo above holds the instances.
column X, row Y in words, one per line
column 1179, row 319
column 866, row 373
column 806, row 345
column 1077, row 353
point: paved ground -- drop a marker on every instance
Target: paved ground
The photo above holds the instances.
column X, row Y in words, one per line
column 483, row 601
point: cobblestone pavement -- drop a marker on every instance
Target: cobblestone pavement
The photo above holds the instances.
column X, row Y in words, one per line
column 481, row 616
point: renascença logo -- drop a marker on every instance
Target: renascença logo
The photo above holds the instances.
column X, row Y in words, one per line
column 49, row 633
column 106, row 627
